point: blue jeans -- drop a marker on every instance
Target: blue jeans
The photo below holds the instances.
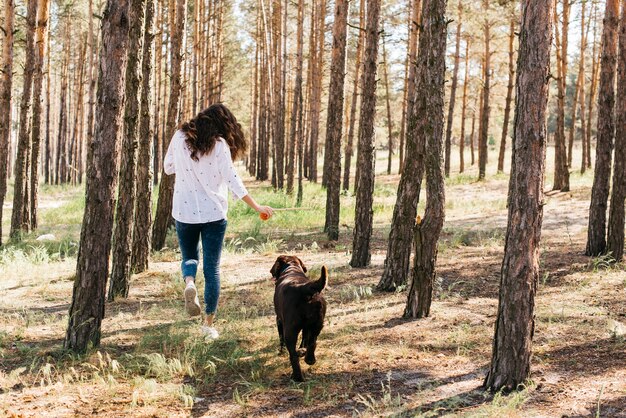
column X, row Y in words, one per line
column 212, row 234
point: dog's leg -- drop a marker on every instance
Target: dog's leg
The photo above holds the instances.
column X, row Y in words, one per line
column 309, row 358
column 304, row 343
column 291, row 339
column 281, row 335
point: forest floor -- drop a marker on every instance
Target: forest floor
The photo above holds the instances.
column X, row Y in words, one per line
column 153, row 360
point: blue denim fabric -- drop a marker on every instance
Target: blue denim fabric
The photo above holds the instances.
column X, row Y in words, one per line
column 189, row 238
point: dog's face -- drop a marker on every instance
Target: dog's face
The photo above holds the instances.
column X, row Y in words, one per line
column 283, row 261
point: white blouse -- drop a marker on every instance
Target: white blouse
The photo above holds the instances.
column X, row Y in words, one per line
column 201, row 187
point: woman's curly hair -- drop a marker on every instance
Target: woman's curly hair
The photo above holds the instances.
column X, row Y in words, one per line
column 214, row 122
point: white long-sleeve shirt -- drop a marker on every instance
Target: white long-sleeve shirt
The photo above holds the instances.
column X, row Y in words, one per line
column 201, row 187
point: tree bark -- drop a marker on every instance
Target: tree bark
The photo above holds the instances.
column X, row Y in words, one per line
column 355, row 93
column 388, row 103
column 455, row 77
column 6, row 85
column 397, row 261
column 127, row 194
column 41, row 42
column 295, row 130
column 581, row 75
column 87, row 309
column 561, row 171
column 316, row 91
column 163, row 216
column 366, row 157
column 483, row 141
column 464, row 109
column 596, row 231
column 429, row 105
column 595, row 54
column 143, row 206
column 615, row 236
column 334, row 122
column 414, row 32
column 510, row 363
column 19, row 224
column 509, row 96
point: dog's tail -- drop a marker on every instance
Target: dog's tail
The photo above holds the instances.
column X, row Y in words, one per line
column 318, row 285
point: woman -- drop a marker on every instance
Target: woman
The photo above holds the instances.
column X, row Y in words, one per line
column 201, row 154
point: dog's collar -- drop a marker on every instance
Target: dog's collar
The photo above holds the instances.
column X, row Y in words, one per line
column 282, row 269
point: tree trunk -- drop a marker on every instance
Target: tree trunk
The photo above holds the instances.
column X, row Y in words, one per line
column 366, row 157
column 163, row 216
column 6, row 83
column 388, row 103
column 596, row 231
column 254, row 136
column 431, row 75
column 87, row 309
column 334, row 122
column 561, row 171
column 92, row 75
column 47, row 147
column 510, row 363
column 20, row 197
column 127, row 194
column 355, row 93
column 455, row 77
column 509, row 97
column 397, row 264
column 615, row 236
column 414, row 34
column 581, row 75
column 483, row 141
column 473, row 134
column 464, row 109
column 316, row 92
column 143, row 206
column 296, row 111
column 278, row 116
column 41, row 43
column 595, row 54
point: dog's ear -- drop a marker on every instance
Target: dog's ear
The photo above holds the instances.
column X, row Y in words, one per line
column 301, row 264
column 277, row 265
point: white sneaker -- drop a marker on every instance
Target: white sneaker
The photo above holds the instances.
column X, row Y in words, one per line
column 210, row 332
column 192, row 304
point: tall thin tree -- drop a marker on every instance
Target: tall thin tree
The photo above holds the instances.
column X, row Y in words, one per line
column 455, row 77
column 127, row 193
column 87, row 308
column 334, row 122
column 431, row 70
column 143, row 205
column 483, row 134
column 364, row 215
column 6, row 85
column 355, row 94
column 166, row 187
column 19, row 223
column 615, row 235
column 596, row 231
column 509, row 94
column 397, row 266
column 510, row 363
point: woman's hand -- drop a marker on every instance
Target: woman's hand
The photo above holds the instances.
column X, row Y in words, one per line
column 265, row 212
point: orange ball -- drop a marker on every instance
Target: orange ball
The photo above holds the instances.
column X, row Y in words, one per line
column 264, row 216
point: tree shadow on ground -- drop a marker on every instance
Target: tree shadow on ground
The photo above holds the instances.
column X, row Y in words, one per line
column 342, row 393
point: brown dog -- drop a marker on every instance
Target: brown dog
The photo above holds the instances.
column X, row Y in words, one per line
column 299, row 307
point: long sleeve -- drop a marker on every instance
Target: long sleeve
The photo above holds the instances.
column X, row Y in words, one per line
column 168, row 164
column 229, row 173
